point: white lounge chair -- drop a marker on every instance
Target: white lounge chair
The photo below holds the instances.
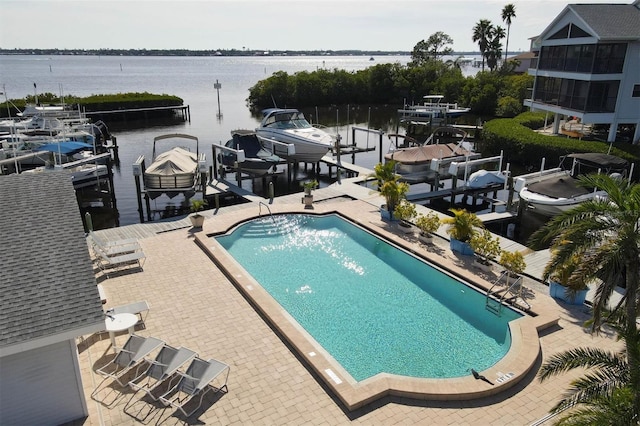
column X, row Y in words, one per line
column 141, row 309
column 108, row 263
column 195, row 381
column 113, row 248
column 134, row 351
column 165, row 365
column 113, row 243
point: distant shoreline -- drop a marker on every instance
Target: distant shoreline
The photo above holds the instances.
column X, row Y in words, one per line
column 221, row 52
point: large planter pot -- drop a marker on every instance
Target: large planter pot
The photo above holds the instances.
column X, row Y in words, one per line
column 461, row 247
column 558, row 291
column 307, row 200
column 197, row 220
column 425, row 238
column 405, row 227
column 386, row 214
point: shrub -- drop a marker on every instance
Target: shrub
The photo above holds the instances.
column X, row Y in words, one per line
column 513, row 261
column 485, row 245
column 405, row 211
column 428, row 223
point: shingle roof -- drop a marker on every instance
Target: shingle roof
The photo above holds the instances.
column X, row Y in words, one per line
column 611, row 21
column 47, row 284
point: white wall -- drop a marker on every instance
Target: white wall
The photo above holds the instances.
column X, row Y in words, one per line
column 41, row 386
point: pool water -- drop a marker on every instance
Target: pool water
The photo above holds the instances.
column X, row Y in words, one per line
column 373, row 307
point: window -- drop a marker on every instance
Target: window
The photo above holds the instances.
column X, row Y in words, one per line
column 578, row 95
column 577, row 32
column 636, row 91
column 610, row 58
column 563, row 33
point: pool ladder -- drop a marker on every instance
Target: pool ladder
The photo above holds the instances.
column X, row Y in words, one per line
column 511, row 293
column 260, row 204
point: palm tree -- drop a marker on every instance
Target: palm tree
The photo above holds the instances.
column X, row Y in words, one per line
column 508, row 13
column 603, row 396
column 482, row 34
column 494, row 49
column 462, row 225
column 606, row 233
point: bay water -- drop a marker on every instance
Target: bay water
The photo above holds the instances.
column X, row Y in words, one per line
column 193, row 80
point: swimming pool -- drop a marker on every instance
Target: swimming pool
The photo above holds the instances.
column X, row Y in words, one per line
column 371, row 306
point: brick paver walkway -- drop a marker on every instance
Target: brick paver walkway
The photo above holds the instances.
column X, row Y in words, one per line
column 194, row 305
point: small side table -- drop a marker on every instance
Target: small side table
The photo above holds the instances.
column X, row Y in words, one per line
column 119, row 322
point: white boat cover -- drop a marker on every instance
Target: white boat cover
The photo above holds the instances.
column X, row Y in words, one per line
column 171, row 173
column 425, row 153
column 175, row 162
column 483, row 178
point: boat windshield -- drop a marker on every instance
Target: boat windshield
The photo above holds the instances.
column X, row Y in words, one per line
column 287, row 120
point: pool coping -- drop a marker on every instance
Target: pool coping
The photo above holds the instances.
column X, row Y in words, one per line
column 513, row 367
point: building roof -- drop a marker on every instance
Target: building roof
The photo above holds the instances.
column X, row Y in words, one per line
column 610, row 21
column 523, row 55
column 47, row 284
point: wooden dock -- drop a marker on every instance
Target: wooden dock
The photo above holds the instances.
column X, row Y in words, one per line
column 183, row 110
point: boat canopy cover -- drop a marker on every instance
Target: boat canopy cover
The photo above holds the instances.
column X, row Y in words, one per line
column 562, row 187
column 175, row 162
column 425, row 153
column 596, row 159
column 66, row 148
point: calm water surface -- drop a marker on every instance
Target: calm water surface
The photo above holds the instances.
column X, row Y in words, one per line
column 192, row 79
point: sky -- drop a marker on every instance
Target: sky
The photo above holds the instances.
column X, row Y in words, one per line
column 389, row 25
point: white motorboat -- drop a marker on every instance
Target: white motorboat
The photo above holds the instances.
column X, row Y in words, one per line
column 553, row 193
column 75, row 158
column 433, row 107
column 289, row 126
column 414, row 163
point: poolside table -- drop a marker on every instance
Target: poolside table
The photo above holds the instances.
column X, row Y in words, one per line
column 119, row 322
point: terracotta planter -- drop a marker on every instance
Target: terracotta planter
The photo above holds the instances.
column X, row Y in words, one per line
column 461, row 247
column 558, row 291
column 307, row 200
column 197, row 220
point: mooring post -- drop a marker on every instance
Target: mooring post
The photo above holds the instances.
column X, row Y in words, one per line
column 88, row 222
column 138, row 171
column 115, row 149
column 148, row 204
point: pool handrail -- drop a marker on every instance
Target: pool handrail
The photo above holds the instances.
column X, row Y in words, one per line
column 260, row 204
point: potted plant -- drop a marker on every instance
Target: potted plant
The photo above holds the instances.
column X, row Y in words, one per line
column 390, row 188
column 563, row 283
column 513, row 262
column 197, row 220
column 405, row 212
column 427, row 224
column 461, row 228
column 486, row 247
column 309, row 186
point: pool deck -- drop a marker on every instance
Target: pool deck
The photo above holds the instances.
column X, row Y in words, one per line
column 194, row 304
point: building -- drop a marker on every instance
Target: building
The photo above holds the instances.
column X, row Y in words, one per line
column 588, row 67
column 523, row 61
column 48, row 298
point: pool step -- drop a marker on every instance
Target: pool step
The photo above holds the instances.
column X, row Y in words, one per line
column 271, row 226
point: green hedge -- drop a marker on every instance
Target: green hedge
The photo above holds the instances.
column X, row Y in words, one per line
column 522, row 145
column 91, row 103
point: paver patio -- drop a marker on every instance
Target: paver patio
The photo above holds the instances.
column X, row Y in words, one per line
column 194, row 305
